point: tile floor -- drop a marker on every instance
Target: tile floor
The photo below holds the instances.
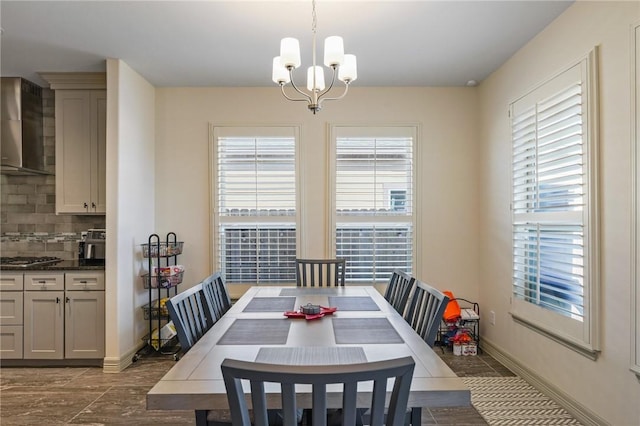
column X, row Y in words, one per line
column 86, row 396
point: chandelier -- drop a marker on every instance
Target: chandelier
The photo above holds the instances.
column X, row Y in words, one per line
column 343, row 66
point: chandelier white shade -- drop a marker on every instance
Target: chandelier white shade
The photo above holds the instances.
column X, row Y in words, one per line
column 343, row 67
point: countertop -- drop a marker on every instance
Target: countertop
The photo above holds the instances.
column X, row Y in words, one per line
column 59, row 266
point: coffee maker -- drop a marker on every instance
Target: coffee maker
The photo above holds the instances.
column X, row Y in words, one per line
column 91, row 250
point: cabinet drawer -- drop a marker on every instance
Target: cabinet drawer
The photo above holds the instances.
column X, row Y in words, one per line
column 84, row 281
column 11, row 307
column 44, row 281
column 11, row 281
column 11, row 341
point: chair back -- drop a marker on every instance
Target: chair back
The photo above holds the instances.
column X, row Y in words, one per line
column 399, row 289
column 188, row 313
column 425, row 311
column 217, row 297
column 320, row 272
column 319, row 377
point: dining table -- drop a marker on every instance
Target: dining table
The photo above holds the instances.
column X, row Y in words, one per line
column 266, row 325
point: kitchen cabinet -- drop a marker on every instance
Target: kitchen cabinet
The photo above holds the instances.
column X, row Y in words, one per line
column 11, row 316
column 84, row 315
column 63, row 316
column 81, row 117
column 43, row 324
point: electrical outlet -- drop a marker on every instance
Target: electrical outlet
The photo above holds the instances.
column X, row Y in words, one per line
column 492, row 317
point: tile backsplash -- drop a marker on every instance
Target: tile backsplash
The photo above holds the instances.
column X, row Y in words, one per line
column 29, row 225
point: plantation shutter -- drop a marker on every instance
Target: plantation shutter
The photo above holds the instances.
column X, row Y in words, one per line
column 374, row 193
column 256, row 204
column 548, row 189
column 553, row 182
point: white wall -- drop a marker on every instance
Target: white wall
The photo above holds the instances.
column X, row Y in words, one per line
column 448, row 163
column 130, row 207
column 606, row 387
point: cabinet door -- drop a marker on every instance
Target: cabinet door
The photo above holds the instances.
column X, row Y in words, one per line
column 73, row 151
column 99, row 151
column 11, row 303
column 10, row 342
column 84, row 324
column 43, row 325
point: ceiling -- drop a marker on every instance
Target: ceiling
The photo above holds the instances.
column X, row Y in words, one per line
column 232, row 43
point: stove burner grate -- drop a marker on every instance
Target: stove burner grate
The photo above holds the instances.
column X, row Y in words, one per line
column 25, row 261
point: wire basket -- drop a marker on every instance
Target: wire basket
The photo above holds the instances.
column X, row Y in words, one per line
column 162, row 281
column 157, row 309
column 162, row 249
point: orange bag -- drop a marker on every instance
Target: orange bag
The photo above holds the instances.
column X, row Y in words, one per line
column 452, row 311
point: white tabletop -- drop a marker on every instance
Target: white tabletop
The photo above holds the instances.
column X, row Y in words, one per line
column 195, row 382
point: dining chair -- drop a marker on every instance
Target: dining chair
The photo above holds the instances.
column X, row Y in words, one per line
column 399, row 289
column 346, row 398
column 425, row 311
column 217, row 297
column 320, row 272
column 188, row 313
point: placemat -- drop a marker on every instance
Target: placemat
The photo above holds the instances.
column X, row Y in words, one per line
column 311, row 355
column 353, row 303
column 364, row 330
column 297, row 291
column 257, row 332
column 270, row 304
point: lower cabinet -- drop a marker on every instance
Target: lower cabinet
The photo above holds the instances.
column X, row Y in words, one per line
column 11, row 317
column 60, row 321
column 84, row 324
column 43, row 325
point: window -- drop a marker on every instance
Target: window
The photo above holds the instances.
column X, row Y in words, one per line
column 398, row 200
column 255, row 204
column 554, row 179
column 373, row 217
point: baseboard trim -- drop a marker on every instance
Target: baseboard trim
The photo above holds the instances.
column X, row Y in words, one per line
column 118, row 364
column 579, row 411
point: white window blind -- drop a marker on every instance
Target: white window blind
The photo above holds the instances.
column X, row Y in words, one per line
column 255, row 207
column 374, row 210
column 553, row 205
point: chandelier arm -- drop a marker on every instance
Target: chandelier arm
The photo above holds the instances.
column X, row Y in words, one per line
column 333, row 80
column 346, row 89
column 305, row 99
column 293, row 84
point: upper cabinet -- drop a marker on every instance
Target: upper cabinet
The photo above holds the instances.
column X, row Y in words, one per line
column 81, row 118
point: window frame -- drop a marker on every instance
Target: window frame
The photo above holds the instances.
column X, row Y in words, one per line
column 581, row 336
column 217, row 131
column 635, row 200
column 392, row 130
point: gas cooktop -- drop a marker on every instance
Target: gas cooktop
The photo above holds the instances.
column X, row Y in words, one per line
column 25, row 261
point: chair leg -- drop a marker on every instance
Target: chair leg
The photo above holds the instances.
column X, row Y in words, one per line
column 201, row 417
column 416, row 416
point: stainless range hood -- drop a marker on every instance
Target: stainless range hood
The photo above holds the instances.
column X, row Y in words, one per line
column 22, row 143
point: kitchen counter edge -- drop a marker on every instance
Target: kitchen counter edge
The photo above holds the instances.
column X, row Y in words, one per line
column 64, row 265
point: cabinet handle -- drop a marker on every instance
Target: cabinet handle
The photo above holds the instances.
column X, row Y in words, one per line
column 86, row 205
column 42, row 282
column 93, row 205
column 57, row 300
column 67, row 299
column 83, row 281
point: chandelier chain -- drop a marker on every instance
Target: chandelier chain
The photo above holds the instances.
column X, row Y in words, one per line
column 314, row 17
column 314, row 23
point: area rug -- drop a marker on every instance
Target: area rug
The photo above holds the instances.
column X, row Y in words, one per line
column 512, row 401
